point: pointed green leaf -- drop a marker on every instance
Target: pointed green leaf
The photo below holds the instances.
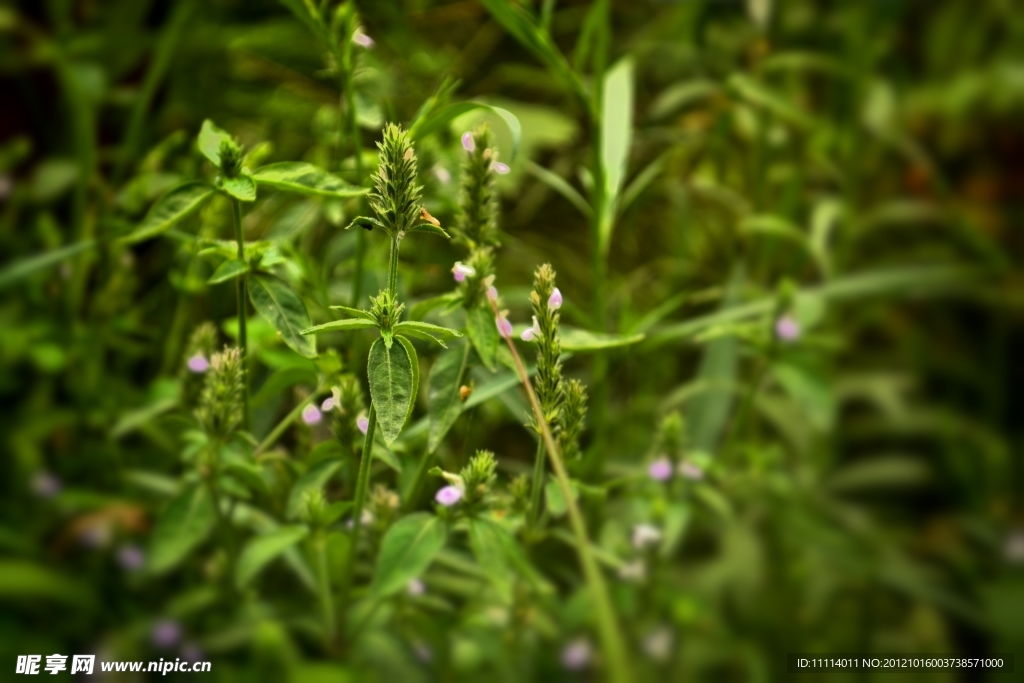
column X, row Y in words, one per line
column 487, row 546
column 484, row 334
column 261, row 550
column 316, row 477
column 172, row 208
column 414, row 362
column 210, row 137
column 581, row 341
column 241, row 188
column 302, row 178
column 427, row 331
column 281, row 307
column 26, row 266
column 616, row 125
column 443, row 401
column 406, row 552
column 391, row 383
column 430, row 228
column 341, row 326
column 354, row 312
column 228, row 270
column 183, row 525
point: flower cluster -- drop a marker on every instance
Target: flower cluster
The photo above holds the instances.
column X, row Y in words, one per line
column 477, row 223
column 220, row 404
column 396, row 198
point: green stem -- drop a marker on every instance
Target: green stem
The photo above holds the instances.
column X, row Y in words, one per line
column 537, row 487
column 241, row 284
column 278, row 430
column 608, row 628
column 324, row 585
column 362, row 484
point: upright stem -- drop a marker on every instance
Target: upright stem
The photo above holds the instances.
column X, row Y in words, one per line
column 537, row 487
column 241, row 284
column 324, row 585
column 607, row 626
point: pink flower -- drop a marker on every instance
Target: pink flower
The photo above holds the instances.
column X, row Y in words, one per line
column 415, row 587
column 467, row 142
column 504, row 327
column 328, row 404
column 787, row 328
column 131, row 558
column 576, row 655
column 311, row 415
column 462, row 271
column 691, row 471
column 198, row 363
column 660, row 469
column 492, row 294
column 448, row 496
column 532, row 333
column 166, row 633
column 363, row 423
column 362, row 40
column 499, row 167
column 555, row 300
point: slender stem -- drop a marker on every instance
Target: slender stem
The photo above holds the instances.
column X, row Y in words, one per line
column 607, row 625
column 324, row 585
column 537, row 487
column 278, row 430
column 393, row 266
column 363, row 478
column 241, row 285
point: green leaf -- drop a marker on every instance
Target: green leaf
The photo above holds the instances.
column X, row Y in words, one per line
column 561, row 186
column 427, row 331
column 414, row 361
column 429, row 228
column 316, row 477
column 811, row 391
column 489, row 549
column 302, row 178
column 406, row 551
column 228, row 270
column 391, row 383
column 170, row 209
column 442, row 117
column 341, row 326
column 210, row 137
column 760, row 95
column 281, row 307
column 354, row 312
column 581, row 341
column 873, row 474
column 444, row 404
column 184, row 524
column 261, row 550
column 33, row 583
column 25, row 267
column 484, row 334
column 241, row 188
column 616, row 125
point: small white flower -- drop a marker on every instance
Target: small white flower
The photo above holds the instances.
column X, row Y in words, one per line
column 532, row 333
column 362, row 40
column 645, row 535
column 415, row 587
column 635, row 571
column 462, row 271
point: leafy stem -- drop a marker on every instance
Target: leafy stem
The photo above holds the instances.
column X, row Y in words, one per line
column 607, row 625
column 241, row 283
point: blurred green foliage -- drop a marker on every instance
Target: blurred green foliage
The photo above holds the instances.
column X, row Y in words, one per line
column 696, row 171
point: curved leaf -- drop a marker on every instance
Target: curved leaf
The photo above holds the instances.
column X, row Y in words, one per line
column 302, row 178
column 241, row 188
column 261, row 550
column 316, row 477
column 407, row 550
column 172, row 208
column 444, row 404
column 283, row 309
column 341, row 326
column 183, row 526
column 391, row 383
column 427, row 331
column 430, row 228
column 25, row 267
column 483, row 333
column 354, row 312
column 210, row 137
column 448, row 113
column 414, row 361
column 228, row 270
column 581, row 341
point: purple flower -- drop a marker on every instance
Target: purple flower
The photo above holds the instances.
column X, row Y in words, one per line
column 645, row 535
column 504, row 326
column 131, row 558
column 499, row 167
column 691, row 471
column 191, row 652
column 532, row 333
column 45, row 485
column 311, row 415
column 555, row 300
column 198, row 363
column 328, row 404
column 492, row 294
column 787, row 328
column 467, row 142
column 660, row 469
column 415, row 587
column 361, row 39
column 363, row 423
column 448, row 496
column 461, row 271
column 165, row 633
column 576, row 655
